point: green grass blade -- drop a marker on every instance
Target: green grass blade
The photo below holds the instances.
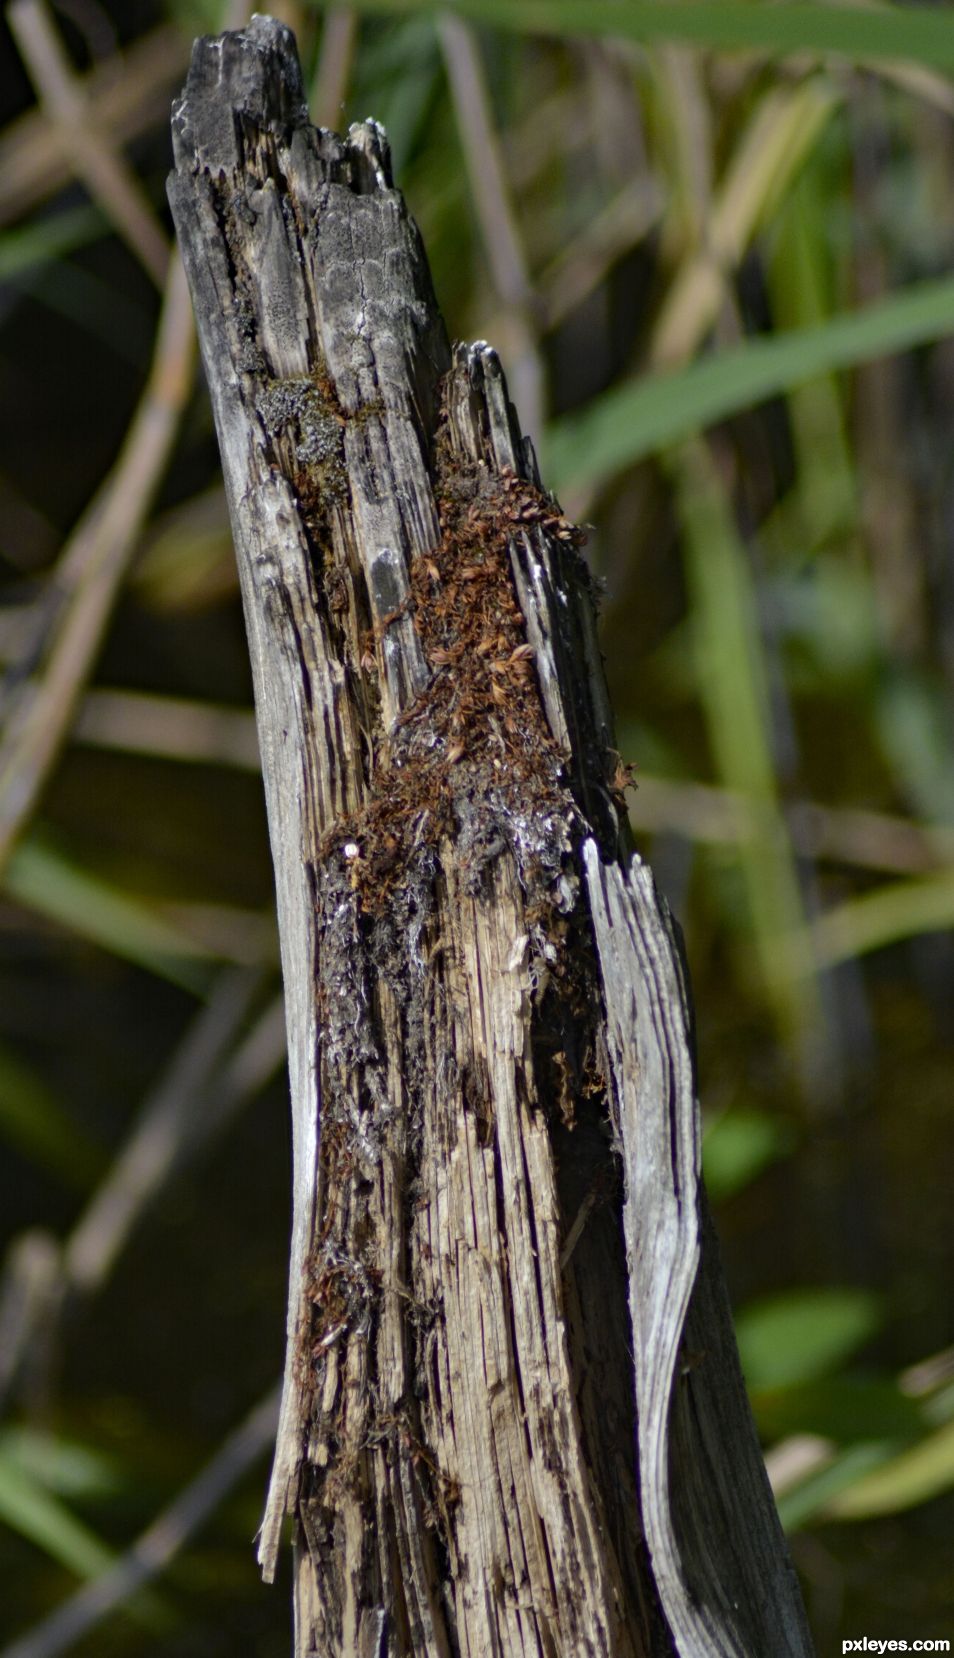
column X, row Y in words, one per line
column 29, row 1508
column 47, row 239
column 917, row 34
column 824, row 501
column 914, row 1476
column 34, row 1512
column 640, row 418
column 816, row 1492
column 733, row 683
column 41, row 878
column 894, row 911
column 67, row 1467
column 915, row 729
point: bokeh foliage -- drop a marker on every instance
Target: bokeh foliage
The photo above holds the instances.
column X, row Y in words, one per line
column 713, row 244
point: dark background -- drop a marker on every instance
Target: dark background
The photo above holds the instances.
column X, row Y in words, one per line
column 778, row 623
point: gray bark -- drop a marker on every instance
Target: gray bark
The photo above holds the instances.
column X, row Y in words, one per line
column 513, row 1420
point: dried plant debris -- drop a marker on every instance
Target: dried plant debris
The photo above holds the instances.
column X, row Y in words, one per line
column 472, row 757
column 472, row 764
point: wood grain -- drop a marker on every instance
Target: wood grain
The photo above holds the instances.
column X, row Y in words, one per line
column 489, row 1439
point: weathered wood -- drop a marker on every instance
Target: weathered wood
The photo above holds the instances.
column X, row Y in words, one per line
column 488, row 1024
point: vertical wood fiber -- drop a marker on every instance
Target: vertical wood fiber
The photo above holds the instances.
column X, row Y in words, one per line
column 487, row 1441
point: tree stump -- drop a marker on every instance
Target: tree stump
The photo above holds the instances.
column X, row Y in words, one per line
column 513, row 1419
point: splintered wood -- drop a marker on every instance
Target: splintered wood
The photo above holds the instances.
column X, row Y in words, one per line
column 488, row 1443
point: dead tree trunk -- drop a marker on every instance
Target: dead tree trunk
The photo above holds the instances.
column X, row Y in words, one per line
column 513, row 1418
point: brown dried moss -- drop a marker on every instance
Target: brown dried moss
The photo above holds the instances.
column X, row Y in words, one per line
column 473, row 752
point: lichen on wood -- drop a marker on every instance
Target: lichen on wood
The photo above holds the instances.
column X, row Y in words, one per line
column 496, row 1200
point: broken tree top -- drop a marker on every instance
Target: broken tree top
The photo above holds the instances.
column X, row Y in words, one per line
column 488, row 1024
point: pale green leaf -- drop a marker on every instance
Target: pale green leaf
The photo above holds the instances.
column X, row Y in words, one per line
column 737, row 1146
column 643, row 416
column 803, row 1334
column 913, row 1476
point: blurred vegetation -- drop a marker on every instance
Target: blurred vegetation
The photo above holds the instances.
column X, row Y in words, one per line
column 714, row 245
